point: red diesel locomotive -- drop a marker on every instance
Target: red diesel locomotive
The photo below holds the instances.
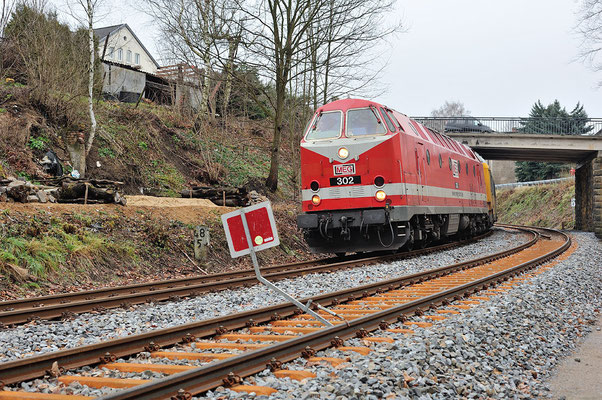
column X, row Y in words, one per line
column 373, row 179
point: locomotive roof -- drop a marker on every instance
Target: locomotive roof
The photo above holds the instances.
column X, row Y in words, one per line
column 459, row 148
column 346, row 104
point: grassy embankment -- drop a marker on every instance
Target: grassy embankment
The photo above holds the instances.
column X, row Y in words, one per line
column 545, row 205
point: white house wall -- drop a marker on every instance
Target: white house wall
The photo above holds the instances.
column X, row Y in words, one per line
column 118, row 80
column 124, row 39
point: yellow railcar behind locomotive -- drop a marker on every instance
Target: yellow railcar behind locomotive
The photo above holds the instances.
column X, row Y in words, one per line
column 490, row 189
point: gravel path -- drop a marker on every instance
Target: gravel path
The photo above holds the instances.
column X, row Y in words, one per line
column 505, row 347
column 45, row 336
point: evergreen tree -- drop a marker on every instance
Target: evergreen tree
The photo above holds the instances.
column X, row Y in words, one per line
column 553, row 119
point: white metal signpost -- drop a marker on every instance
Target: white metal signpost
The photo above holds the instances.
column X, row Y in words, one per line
column 252, row 229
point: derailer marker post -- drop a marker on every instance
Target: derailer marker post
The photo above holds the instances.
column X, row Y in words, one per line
column 273, row 287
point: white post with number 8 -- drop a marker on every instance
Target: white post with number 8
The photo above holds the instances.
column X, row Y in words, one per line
column 201, row 241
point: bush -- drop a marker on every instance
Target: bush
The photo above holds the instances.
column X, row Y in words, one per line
column 51, row 60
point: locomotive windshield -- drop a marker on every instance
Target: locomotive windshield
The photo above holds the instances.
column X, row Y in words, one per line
column 326, row 125
column 364, row 122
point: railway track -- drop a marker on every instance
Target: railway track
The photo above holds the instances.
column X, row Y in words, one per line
column 224, row 350
column 66, row 305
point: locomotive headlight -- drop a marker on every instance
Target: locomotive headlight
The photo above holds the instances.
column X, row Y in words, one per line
column 380, row 195
column 316, row 200
column 343, row 153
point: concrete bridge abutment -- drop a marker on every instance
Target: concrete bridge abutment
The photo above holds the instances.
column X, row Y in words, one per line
column 597, row 195
column 588, row 196
column 585, row 151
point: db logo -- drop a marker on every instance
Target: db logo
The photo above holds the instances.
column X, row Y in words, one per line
column 344, row 169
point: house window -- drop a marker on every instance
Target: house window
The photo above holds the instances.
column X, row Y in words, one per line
column 137, row 58
column 120, row 54
column 128, row 56
column 111, row 50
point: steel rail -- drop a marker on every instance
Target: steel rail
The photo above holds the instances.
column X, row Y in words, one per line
column 36, row 366
column 60, row 306
column 211, row 376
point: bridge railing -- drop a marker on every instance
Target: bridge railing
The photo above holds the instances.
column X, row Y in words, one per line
column 549, row 126
column 533, row 183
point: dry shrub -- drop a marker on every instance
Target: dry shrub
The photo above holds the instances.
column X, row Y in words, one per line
column 52, row 61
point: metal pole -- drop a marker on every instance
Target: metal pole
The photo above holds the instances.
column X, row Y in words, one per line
column 270, row 285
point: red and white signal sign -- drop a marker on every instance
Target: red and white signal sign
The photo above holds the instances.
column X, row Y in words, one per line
column 262, row 228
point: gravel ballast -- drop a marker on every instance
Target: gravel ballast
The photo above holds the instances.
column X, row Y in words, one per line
column 505, row 347
column 46, row 336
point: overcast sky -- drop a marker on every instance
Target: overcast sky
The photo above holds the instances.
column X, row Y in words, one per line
column 497, row 57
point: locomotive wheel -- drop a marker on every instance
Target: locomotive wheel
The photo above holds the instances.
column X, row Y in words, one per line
column 340, row 254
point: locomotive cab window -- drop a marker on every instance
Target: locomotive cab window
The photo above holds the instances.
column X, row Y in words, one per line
column 428, row 157
column 392, row 116
column 440, row 161
column 388, row 120
column 364, row 122
column 326, row 125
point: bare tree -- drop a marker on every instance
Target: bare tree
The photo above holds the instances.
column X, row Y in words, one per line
column 451, row 109
column 350, row 55
column 282, row 38
column 6, row 9
column 589, row 27
column 86, row 12
column 324, row 46
column 199, row 33
column 90, row 8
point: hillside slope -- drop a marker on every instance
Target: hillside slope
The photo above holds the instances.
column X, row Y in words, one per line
column 545, row 205
column 153, row 149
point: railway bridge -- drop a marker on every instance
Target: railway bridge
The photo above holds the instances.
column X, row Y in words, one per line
column 565, row 141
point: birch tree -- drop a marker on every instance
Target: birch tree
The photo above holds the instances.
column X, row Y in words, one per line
column 86, row 12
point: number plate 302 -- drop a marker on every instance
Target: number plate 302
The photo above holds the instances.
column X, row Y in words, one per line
column 345, row 180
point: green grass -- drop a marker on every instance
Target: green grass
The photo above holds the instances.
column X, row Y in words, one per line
column 544, row 205
column 166, row 177
column 45, row 253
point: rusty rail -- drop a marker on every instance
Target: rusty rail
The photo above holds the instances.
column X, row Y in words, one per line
column 63, row 305
column 208, row 377
column 33, row 367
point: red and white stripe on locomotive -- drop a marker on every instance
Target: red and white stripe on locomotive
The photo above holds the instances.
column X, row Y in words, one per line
column 373, row 179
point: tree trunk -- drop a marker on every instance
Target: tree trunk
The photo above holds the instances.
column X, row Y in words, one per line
column 92, row 133
column 272, row 180
column 229, row 70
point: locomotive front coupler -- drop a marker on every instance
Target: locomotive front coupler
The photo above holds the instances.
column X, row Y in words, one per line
column 345, row 231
